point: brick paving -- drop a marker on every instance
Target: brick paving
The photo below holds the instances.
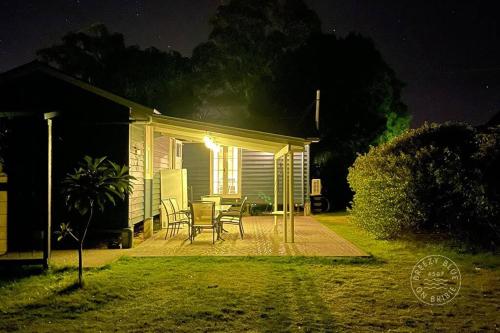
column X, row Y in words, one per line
column 261, row 238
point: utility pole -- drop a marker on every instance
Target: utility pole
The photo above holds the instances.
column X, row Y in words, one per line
column 316, row 117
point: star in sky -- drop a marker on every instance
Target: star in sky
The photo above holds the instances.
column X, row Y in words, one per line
column 423, row 41
column 138, row 8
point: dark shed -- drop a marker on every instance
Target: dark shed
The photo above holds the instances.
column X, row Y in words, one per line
column 89, row 121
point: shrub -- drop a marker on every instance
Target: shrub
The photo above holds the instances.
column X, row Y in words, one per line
column 437, row 178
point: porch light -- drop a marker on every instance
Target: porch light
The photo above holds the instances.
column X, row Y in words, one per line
column 210, row 144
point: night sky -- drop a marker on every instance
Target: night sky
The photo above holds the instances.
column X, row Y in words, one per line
column 447, row 52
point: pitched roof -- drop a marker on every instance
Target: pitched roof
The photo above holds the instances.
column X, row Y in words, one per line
column 140, row 112
column 37, row 66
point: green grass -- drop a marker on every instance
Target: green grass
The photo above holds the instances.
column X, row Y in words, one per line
column 255, row 293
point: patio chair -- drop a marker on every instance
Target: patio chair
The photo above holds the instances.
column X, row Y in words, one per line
column 202, row 217
column 216, row 199
column 236, row 206
column 234, row 217
column 168, row 218
column 181, row 214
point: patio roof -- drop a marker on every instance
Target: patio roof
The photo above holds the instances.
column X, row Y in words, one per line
column 196, row 131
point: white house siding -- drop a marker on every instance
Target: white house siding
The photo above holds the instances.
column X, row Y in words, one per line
column 196, row 159
column 136, row 165
column 161, row 152
column 257, row 174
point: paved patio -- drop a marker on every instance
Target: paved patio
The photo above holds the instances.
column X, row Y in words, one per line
column 261, row 238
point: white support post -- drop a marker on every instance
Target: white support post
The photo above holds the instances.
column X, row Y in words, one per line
column 47, row 232
column 275, row 203
column 307, row 204
column 47, row 242
column 290, row 198
column 302, row 195
column 285, row 199
column 148, row 181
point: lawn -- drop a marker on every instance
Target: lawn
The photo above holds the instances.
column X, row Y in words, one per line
column 255, row 293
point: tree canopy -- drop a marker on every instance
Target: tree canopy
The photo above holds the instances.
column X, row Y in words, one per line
column 95, row 55
column 260, row 68
column 247, row 39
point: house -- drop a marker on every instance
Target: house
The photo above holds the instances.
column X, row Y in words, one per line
column 54, row 120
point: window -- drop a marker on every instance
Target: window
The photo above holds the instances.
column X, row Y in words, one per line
column 178, row 149
column 225, row 172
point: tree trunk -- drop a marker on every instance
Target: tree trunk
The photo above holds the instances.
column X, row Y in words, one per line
column 80, row 264
column 80, row 249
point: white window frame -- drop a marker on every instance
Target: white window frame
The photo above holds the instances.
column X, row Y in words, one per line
column 224, row 193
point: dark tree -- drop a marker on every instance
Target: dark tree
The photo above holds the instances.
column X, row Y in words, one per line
column 247, row 39
column 152, row 77
column 360, row 102
column 262, row 65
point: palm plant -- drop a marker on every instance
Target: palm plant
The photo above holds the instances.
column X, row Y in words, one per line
column 95, row 184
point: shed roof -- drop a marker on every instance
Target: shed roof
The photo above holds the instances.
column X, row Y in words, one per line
column 37, row 66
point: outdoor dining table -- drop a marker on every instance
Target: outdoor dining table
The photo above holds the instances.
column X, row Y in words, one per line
column 219, row 209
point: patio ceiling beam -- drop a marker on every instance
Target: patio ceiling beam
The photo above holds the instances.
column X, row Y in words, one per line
column 228, row 130
column 223, row 139
column 234, row 143
column 178, row 134
column 220, row 138
column 243, row 143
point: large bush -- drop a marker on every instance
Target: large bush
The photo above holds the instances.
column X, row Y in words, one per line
column 434, row 179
